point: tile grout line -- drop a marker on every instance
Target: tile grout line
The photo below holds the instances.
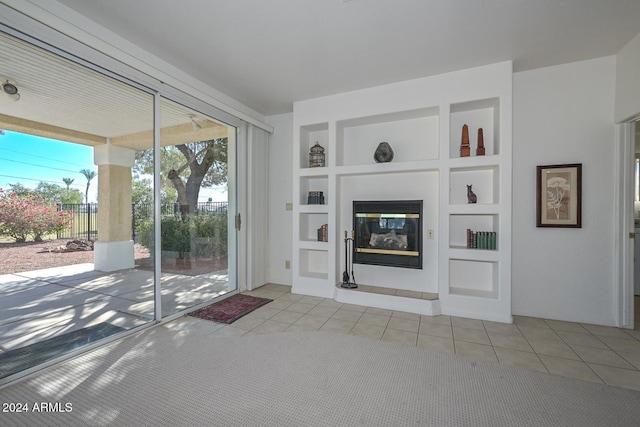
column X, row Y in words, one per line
column 421, row 321
column 581, row 359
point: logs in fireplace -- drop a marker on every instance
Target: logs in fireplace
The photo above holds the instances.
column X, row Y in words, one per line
column 388, row 233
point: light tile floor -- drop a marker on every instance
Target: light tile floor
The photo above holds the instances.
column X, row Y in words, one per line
column 589, row 352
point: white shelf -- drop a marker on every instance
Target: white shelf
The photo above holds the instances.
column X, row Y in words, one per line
column 472, row 163
column 313, row 263
column 382, row 168
column 318, row 209
column 483, row 179
column 313, row 172
column 474, row 209
column 473, row 277
column 309, row 135
column 474, row 293
column 422, row 122
column 465, row 254
column 413, row 135
column 485, row 114
column 313, row 245
column 459, row 223
column 310, row 223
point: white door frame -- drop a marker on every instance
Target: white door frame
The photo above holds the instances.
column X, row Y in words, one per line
column 624, row 223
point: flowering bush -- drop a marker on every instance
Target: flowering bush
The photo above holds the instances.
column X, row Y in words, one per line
column 30, row 215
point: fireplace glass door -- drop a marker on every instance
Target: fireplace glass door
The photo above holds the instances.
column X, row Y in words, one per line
column 388, row 233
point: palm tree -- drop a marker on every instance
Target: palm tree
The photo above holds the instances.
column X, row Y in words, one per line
column 68, row 181
column 89, row 175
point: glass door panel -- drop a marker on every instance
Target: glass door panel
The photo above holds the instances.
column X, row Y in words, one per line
column 196, row 185
column 68, row 141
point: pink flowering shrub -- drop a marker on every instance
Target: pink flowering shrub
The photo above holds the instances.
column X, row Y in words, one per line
column 30, row 215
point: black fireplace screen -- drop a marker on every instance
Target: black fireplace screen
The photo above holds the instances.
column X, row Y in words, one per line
column 388, row 233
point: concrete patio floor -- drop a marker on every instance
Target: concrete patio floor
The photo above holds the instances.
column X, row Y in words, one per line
column 41, row 304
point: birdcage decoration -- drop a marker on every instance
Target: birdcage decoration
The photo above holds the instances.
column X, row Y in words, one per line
column 316, row 156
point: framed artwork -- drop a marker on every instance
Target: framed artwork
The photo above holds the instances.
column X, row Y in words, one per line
column 559, row 196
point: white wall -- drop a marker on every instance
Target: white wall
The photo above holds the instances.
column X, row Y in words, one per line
column 394, row 187
column 257, row 207
column 561, row 114
column 564, row 114
column 280, row 193
column 628, row 81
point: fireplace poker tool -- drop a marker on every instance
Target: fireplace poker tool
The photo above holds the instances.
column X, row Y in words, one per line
column 348, row 280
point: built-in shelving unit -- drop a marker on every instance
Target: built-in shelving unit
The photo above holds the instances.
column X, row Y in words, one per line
column 422, row 120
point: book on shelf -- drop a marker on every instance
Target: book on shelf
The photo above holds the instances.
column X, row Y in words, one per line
column 315, row 198
column 323, row 233
column 481, row 239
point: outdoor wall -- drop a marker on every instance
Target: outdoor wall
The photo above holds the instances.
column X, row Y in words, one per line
column 628, row 81
column 564, row 114
column 280, row 193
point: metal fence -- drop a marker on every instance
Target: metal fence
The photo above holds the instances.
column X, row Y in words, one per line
column 85, row 221
column 85, row 216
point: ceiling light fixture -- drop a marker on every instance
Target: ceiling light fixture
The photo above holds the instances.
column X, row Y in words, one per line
column 196, row 126
column 11, row 89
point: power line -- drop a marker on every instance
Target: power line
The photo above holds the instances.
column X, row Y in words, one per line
column 41, row 157
column 37, row 165
column 41, row 180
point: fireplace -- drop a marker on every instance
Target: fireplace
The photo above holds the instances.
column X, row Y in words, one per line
column 388, row 233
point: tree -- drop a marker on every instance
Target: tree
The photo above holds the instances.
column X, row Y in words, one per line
column 68, row 181
column 142, row 192
column 51, row 193
column 89, row 175
column 71, row 197
column 54, row 194
column 19, row 189
column 188, row 167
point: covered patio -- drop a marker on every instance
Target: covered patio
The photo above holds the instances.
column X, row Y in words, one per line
column 56, row 302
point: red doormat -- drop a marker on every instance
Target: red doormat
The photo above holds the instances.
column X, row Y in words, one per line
column 230, row 309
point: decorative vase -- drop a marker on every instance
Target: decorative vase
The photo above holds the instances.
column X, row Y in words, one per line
column 384, row 153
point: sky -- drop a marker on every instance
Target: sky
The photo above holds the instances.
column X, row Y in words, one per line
column 29, row 159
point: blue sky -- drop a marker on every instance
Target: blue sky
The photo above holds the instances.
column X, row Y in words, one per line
column 28, row 159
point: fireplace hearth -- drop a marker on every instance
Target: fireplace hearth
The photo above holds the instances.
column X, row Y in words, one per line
column 388, row 233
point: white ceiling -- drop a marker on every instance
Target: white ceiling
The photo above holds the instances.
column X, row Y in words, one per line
column 268, row 54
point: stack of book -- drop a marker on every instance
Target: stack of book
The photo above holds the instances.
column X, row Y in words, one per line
column 323, row 233
column 481, row 239
column 315, row 198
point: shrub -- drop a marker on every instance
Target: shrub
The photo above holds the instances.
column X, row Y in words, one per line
column 30, row 215
column 208, row 231
column 211, row 231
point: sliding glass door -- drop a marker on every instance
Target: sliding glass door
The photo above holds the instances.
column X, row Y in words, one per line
column 140, row 193
column 73, row 271
column 197, row 186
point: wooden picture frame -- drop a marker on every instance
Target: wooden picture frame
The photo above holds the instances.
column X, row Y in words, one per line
column 559, row 196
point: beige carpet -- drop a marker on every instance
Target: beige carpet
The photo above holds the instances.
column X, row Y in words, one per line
column 167, row 378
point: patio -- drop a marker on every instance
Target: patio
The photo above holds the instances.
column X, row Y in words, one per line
column 42, row 304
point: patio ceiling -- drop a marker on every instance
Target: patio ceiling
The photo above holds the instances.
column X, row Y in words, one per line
column 63, row 100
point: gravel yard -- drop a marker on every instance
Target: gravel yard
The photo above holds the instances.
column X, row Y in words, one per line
column 17, row 257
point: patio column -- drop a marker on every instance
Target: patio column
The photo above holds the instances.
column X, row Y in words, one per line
column 114, row 248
